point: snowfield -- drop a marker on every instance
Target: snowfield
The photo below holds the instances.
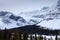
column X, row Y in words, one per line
column 47, row 37
column 51, row 24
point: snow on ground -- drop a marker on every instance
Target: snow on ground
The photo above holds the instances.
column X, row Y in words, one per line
column 51, row 37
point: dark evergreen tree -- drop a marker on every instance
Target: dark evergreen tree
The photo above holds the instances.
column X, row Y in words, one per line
column 31, row 37
column 20, row 34
column 17, row 35
column 35, row 37
column 12, row 36
column 1, row 35
column 5, row 34
column 56, row 37
column 25, row 36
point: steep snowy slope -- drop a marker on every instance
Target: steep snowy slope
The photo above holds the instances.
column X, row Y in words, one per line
column 44, row 16
column 33, row 16
column 8, row 20
column 55, row 15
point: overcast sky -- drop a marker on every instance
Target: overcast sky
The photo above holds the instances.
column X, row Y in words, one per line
column 17, row 6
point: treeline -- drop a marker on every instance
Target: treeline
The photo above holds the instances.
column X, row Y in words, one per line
column 19, row 35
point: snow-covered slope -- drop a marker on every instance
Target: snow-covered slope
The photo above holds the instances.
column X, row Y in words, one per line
column 55, row 15
column 52, row 24
column 44, row 17
column 9, row 20
column 33, row 16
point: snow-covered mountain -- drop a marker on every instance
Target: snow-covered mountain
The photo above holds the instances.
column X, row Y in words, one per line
column 44, row 16
column 9, row 20
column 35, row 16
column 41, row 17
column 53, row 18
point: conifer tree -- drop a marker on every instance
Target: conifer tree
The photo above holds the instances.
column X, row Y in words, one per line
column 31, row 37
column 35, row 37
column 17, row 35
column 56, row 37
column 1, row 35
column 5, row 35
column 25, row 36
column 20, row 34
column 12, row 36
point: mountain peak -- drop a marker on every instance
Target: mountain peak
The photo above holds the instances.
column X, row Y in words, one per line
column 9, row 20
